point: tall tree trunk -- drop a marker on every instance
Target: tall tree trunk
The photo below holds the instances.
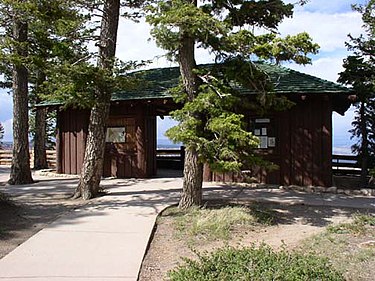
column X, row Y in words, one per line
column 364, row 154
column 40, row 155
column 193, row 178
column 193, row 169
column 92, row 169
column 20, row 171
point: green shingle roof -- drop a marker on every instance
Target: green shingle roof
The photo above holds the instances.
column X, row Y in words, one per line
column 285, row 80
column 154, row 84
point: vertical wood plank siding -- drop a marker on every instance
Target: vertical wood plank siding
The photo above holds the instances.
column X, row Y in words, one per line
column 59, row 143
column 150, row 143
column 134, row 158
column 72, row 133
column 303, row 147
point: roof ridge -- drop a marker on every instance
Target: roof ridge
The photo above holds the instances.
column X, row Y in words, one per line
column 308, row 75
column 260, row 62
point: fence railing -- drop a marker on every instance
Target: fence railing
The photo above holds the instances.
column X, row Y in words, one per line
column 6, row 158
column 174, row 159
column 345, row 164
column 170, row 158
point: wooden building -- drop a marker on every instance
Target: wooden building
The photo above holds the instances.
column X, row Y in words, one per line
column 298, row 140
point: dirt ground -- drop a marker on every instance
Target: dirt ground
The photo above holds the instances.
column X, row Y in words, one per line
column 21, row 218
column 294, row 224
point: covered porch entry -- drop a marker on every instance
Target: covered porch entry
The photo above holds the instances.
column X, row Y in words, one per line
column 131, row 138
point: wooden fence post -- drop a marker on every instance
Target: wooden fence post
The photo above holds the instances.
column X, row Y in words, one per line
column 182, row 152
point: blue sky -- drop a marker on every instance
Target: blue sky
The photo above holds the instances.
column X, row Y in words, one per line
column 328, row 22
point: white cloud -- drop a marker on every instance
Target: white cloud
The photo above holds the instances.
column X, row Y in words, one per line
column 135, row 43
column 326, row 68
column 328, row 30
column 331, row 6
column 342, row 124
column 163, row 125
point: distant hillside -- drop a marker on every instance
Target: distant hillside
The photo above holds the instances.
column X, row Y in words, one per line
column 166, row 143
column 6, row 145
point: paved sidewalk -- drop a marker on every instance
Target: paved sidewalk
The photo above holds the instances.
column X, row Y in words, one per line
column 104, row 241
column 108, row 239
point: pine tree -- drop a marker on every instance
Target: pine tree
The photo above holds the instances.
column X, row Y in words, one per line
column 360, row 74
column 14, row 50
column 50, row 34
column 227, row 29
column 57, row 36
column 92, row 169
column 84, row 84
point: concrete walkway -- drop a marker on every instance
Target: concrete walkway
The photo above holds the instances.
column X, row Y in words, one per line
column 108, row 239
column 103, row 241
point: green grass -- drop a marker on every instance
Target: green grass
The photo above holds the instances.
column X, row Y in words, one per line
column 255, row 263
column 217, row 223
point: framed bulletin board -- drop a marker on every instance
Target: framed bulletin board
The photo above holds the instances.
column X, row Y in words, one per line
column 116, row 134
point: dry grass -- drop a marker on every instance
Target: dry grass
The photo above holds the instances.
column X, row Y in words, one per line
column 210, row 223
column 350, row 247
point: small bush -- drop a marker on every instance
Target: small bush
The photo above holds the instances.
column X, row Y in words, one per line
column 254, row 263
column 357, row 227
column 365, row 219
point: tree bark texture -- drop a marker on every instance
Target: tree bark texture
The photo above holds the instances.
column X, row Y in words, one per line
column 40, row 155
column 20, row 170
column 193, row 169
column 92, row 169
column 193, row 178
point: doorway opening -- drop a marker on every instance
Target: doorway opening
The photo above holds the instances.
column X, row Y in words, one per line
column 169, row 155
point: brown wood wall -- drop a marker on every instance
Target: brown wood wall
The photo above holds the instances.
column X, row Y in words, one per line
column 303, row 149
column 310, row 153
column 150, row 143
column 134, row 158
column 71, row 139
column 120, row 158
column 303, row 144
